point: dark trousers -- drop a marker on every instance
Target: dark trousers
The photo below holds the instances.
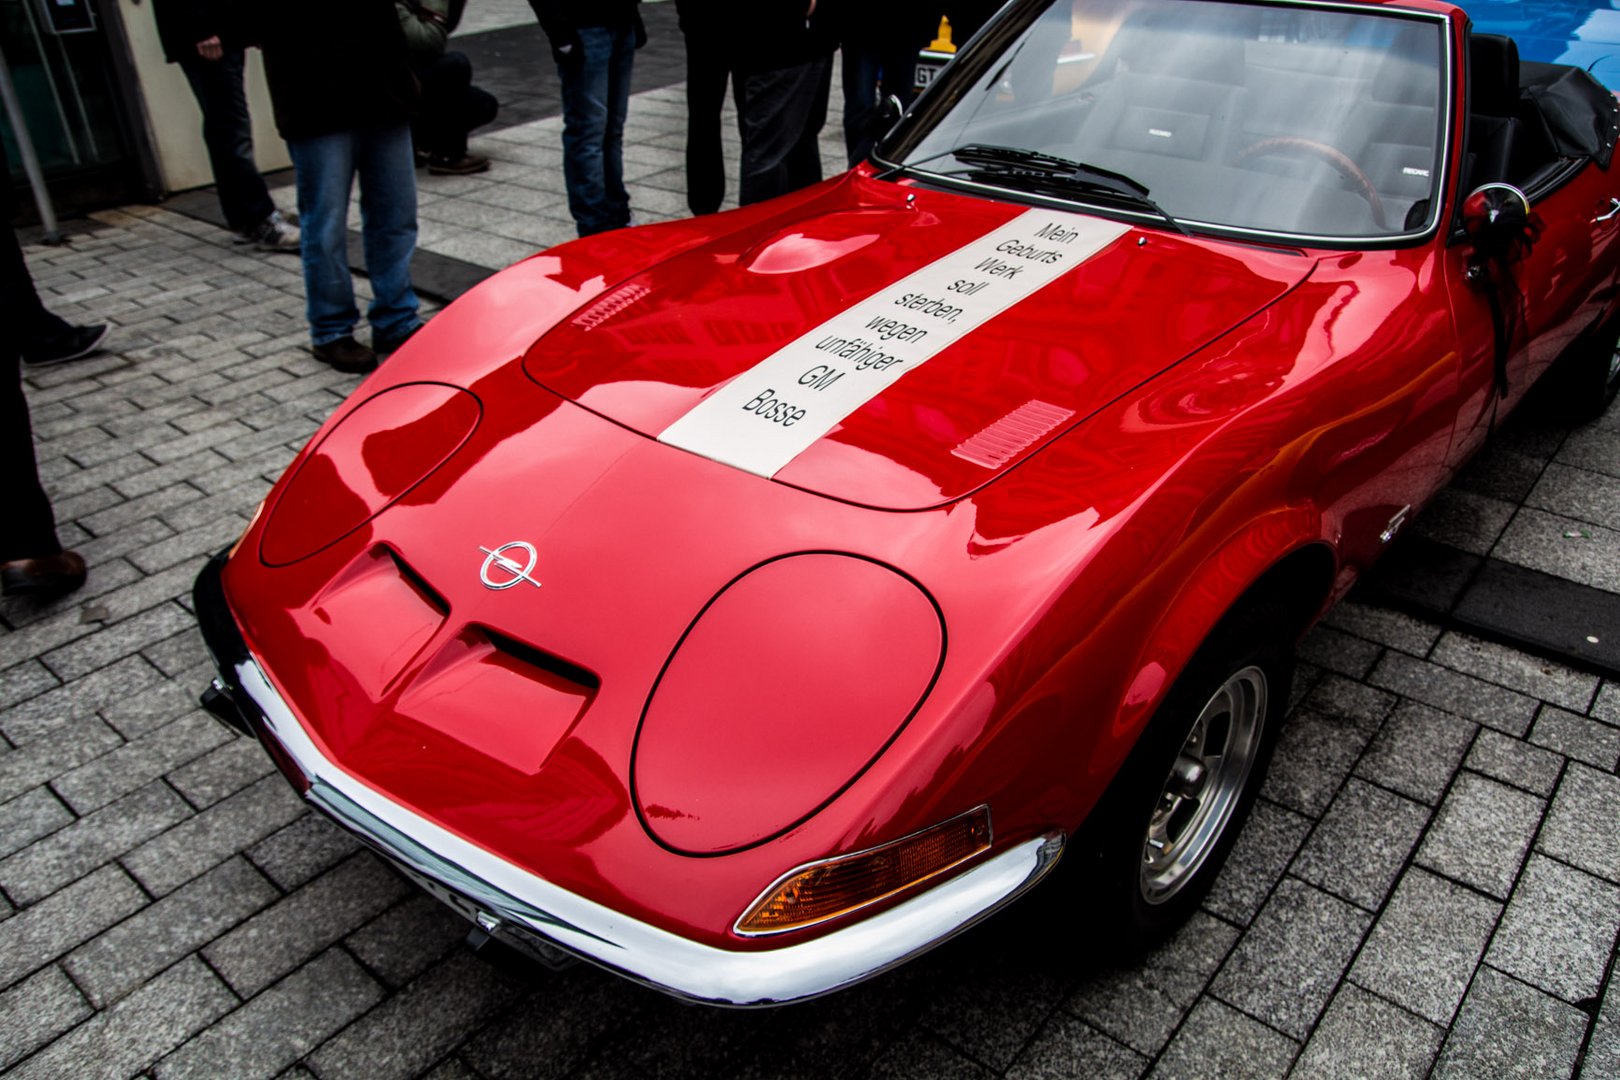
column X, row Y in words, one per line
column 228, row 132
column 707, row 71
column 780, row 114
column 27, row 526
column 867, row 66
column 450, row 107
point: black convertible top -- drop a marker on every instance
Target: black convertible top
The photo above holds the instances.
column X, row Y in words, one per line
column 1583, row 117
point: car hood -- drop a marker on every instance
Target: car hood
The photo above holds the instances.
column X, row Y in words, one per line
column 899, row 348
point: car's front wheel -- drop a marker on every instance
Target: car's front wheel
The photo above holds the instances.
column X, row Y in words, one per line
column 1172, row 815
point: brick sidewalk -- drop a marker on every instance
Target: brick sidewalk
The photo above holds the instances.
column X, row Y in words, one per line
column 1430, row 883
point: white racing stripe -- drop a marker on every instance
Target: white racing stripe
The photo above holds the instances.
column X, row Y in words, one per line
column 766, row 416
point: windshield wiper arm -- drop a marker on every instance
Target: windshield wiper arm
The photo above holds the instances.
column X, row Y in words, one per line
column 1031, row 169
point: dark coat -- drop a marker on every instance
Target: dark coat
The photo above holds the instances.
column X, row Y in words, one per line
column 183, row 23
column 760, row 35
column 334, row 65
column 561, row 18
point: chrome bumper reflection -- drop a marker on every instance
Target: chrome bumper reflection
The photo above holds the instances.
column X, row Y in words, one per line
column 499, row 890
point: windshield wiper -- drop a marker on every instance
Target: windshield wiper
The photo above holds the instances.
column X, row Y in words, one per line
column 1047, row 174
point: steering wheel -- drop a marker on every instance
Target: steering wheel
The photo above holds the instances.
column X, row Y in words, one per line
column 1338, row 159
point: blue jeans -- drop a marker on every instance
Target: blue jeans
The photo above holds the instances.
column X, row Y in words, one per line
column 596, row 96
column 326, row 166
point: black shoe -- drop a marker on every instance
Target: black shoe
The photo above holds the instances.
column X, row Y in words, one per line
column 465, row 165
column 384, row 345
column 78, row 341
column 52, row 575
column 347, row 355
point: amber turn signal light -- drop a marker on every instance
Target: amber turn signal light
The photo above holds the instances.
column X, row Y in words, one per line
column 837, row 886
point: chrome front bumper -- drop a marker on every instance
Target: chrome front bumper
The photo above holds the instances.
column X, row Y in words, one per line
column 509, row 901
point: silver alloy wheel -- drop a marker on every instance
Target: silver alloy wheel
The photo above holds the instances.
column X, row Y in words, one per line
column 1199, row 796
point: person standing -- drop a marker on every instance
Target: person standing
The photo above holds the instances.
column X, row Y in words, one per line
column 193, row 36
column 451, row 105
column 781, row 79
column 879, row 44
column 708, row 69
column 594, row 43
column 32, row 561
column 343, row 92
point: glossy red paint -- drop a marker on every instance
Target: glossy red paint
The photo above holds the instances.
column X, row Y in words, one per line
column 1284, row 409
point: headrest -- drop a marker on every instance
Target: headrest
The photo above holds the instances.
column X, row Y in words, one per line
column 1493, row 72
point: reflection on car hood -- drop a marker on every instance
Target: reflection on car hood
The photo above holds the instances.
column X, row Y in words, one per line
column 965, row 334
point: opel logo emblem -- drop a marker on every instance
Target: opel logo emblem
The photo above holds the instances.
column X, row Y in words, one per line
column 501, row 571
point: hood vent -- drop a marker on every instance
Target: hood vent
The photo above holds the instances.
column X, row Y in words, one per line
column 536, row 658
column 610, row 305
column 1004, row 439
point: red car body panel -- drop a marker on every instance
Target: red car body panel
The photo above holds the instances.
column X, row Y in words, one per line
column 1288, row 401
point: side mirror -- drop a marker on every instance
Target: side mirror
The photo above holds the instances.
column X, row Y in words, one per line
column 1496, row 219
column 890, row 112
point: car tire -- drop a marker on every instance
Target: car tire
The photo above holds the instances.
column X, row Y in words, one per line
column 1174, row 812
column 1587, row 377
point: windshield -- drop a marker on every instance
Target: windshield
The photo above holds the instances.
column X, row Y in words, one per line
column 1303, row 121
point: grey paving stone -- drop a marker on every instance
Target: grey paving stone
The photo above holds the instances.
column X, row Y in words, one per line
column 117, row 640
column 1514, row 761
column 1392, row 628
column 1363, row 1036
column 37, row 1010
column 1578, row 737
column 147, row 942
column 1417, row 751
column 417, row 1026
column 1509, row 1030
column 209, row 837
column 1485, row 703
column 1142, row 1005
column 29, row 817
column 1287, row 964
column 47, row 714
column 1499, row 664
column 1066, row 1049
column 1339, row 652
column 1578, row 493
column 113, row 775
column 1263, row 850
column 1219, row 1043
column 128, row 1037
column 1314, row 754
column 228, row 768
column 1607, row 705
column 29, row 766
column 917, row 1056
column 1359, row 847
column 1481, row 833
column 1558, row 932
column 991, row 1006
column 1563, row 547
column 404, row 941
column 1365, row 706
column 281, row 937
column 279, row 1026
column 23, row 681
column 1464, row 519
column 68, row 854
column 150, row 709
column 1425, row 946
column 554, row 1029
column 1580, row 828
column 1603, row 1049
column 308, row 847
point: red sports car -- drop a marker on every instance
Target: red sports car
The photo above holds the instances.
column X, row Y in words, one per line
column 748, row 603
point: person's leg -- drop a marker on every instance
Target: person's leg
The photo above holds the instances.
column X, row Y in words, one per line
column 860, row 99
column 325, row 175
column 620, row 65
column 388, row 229
column 706, row 74
column 444, row 81
column 26, row 327
column 228, row 133
column 585, row 87
column 27, row 528
column 774, row 114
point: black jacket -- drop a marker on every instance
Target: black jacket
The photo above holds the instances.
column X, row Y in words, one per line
column 183, row 23
column 333, row 65
column 761, row 35
column 561, row 18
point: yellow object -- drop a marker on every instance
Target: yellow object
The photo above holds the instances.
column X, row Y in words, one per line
column 942, row 43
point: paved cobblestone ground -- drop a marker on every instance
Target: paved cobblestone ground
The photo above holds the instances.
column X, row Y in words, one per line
column 1429, row 886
